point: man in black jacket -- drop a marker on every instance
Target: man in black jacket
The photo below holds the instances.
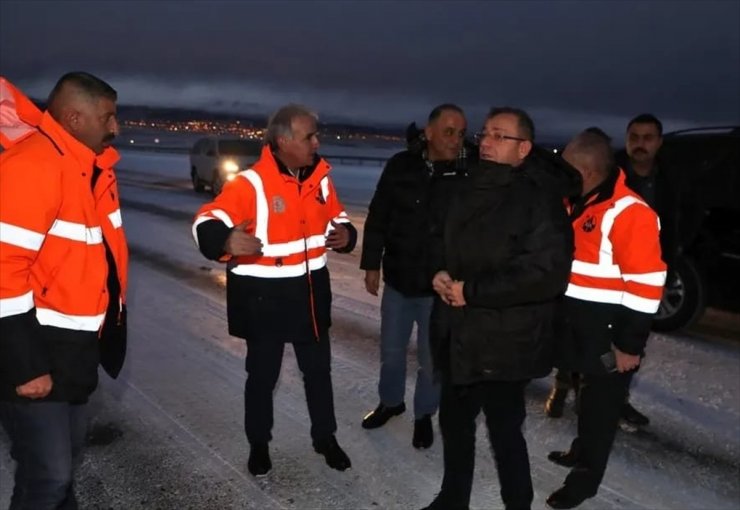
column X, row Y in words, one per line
column 409, row 202
column 647, row 177
column 503, row 262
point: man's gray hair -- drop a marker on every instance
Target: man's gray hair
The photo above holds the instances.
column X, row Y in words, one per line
column 596, row 148
column 281, row 121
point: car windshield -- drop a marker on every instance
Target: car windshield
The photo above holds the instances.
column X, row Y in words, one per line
column 239, row 147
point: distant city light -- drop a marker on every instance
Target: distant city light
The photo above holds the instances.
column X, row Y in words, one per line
column 238, row 129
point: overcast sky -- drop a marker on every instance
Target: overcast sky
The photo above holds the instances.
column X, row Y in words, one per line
column 570, row 63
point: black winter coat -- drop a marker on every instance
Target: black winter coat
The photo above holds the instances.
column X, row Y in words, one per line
column 665, row 202
column 407, row 208
column 508, row 237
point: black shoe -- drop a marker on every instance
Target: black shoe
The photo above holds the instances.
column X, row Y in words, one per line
column 566, row 459
column 566, row 498
column 333, row 453
column 381, row 415
column 259, row 463
column 556, row 402
column 633, row 416
column 423, row 433
column 442, row 502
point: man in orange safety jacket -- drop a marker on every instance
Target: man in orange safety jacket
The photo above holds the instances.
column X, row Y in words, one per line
column 272, row 225
column 615, row 287
column 63, row 263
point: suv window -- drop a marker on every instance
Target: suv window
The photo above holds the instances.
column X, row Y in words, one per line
column 239, row 147
column 709, row 165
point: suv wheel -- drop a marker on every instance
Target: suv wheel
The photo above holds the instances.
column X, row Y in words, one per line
column 684, row 298
column 197, row 184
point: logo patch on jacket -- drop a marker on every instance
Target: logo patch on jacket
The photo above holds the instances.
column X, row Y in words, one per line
column 278, row 204
column 589, row 224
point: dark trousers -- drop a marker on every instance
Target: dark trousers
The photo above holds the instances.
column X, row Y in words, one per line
column 566, row 380
column 504, row 407
column 46, row 438
column 264, row 358
column 601, row 400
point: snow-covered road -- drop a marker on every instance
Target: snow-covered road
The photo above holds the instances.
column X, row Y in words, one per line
column 169, row 431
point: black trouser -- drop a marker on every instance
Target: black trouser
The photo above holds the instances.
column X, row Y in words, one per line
column 503, row 404
column 602, row 397
column 264, row 358
column 566, row 380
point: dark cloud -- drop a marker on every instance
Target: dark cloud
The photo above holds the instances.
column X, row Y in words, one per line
column 392, row 61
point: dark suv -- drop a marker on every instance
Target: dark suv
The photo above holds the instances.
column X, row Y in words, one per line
column 706, row 166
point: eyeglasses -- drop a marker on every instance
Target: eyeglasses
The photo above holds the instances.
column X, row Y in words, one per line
column 497, row 137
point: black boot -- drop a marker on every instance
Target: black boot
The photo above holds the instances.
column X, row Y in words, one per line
column 381, row 415
column 423, row 432
column 259, row 463
column 556, row 402
column 333, row 453
column 444, row 502
column 633, row 416
column 565, row 459
column 565, row 497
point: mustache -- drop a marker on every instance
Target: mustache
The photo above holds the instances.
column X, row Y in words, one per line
column 640, row 149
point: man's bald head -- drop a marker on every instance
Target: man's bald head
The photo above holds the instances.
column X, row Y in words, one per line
column 85, row 106
column 592, row 155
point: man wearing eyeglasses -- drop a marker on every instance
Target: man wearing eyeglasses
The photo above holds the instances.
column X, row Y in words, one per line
column 412, row 194
column 503, row 260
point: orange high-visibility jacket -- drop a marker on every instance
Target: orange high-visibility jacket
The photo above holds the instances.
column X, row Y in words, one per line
column 617, row 257
column 290, row 219
column 52, row 224
column 283, row 293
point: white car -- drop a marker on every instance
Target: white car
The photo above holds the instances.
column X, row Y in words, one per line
column 216, row 160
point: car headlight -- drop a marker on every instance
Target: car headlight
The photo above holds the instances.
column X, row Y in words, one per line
column 230, row 166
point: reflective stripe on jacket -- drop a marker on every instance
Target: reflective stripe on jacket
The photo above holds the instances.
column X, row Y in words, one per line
column 52, row 225
column 617, row 256
column 291, row 218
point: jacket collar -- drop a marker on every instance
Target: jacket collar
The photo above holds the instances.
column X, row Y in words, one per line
column 269, row 162
column 64, row 142
column 614, row 185
column 487, row 173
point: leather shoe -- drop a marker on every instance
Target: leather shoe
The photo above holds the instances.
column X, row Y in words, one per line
column 423, row 433
column 566, row 459
column 633, row 416
column 565, row 498
column 381, row 415
column 259, row 463
column 333, row 453
column 442, row 502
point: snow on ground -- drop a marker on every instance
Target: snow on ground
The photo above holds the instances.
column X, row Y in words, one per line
column 175, row 414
